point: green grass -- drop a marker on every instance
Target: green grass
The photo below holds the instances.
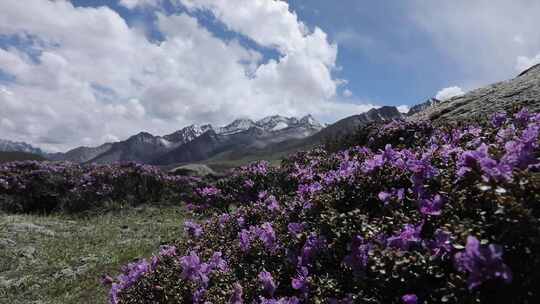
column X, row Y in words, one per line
column 59, row 259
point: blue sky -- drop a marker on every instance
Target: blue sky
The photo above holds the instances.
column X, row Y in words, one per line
column 83, row 72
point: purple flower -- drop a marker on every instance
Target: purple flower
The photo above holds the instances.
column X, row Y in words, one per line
column 300, row 282
column 522, row 117
column 441, row 245
column 267, row 281
column 272, row 203
column 295, row 228
column 268, row 236
column 409, row 299
column 217, row 262
column 409, row 236
column 483, row 263
column 470, row 160
column 193, row 229
column 131, row 273
column 193, row 270
column 432, row 206
column 249, row 183
column 359, row 257
column 311, row 247
column 498, row 119
column 385, row 196
column 244, row 238
column 209, row 191
column 223, row 219
column 237, row 296
column 520, row 153
column 308, row 189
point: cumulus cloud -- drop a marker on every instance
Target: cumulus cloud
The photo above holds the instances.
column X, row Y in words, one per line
column 347, row 93
column 448, row 93
column 85, row 76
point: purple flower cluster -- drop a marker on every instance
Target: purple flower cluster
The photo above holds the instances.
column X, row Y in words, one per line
column 482, row 263
column 381, row 223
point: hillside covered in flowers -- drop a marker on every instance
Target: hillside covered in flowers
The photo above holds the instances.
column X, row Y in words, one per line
column 406, row 213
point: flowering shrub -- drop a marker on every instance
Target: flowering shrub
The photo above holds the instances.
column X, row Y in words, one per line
column 45, row 187
column 417, row 214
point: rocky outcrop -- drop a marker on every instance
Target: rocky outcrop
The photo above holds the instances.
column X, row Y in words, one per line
column 522, row 91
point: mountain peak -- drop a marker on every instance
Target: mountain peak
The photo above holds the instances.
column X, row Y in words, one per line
column 188, row 133
column 239, row 125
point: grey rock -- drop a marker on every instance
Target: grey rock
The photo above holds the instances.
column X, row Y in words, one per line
column 193, row 170
column 522, row 91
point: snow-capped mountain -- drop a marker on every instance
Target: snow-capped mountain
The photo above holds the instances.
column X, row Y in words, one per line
column 187, row 134
column 12, row 146
column 239, row 125
column 270, row 124
column 241, row 133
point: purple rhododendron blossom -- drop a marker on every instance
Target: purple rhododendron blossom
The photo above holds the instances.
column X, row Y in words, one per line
column 441, row 245
column 244, row 237
column 483, row 263
column 409, row 236
column 193, row 270
column 409, row 299
column 272, row 203
column 131, row 273
column 359, row 256
column 432, row 206
column 300, row 282
column 217, row 262
column 295, row 228
column 498, row 119
column 311, row 247
column 268, row 236
column 209, row 191
column 267, row 281
column 249, row 183
column 193, row 229
column 237, row 295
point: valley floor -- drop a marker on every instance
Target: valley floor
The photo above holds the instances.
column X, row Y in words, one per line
column 59, row 259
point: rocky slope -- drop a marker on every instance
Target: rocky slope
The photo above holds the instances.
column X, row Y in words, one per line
column 522, row 91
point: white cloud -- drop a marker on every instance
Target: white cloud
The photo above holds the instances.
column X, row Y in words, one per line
column 95, row 78
column 131, row 4
column 403, row 109
column 481, row 38
column 347, row 93
column 524, row 62
column 448, row 93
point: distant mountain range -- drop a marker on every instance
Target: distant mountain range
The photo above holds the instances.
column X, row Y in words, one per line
column 12, row 146
column 276, row 136
column 197, row 143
